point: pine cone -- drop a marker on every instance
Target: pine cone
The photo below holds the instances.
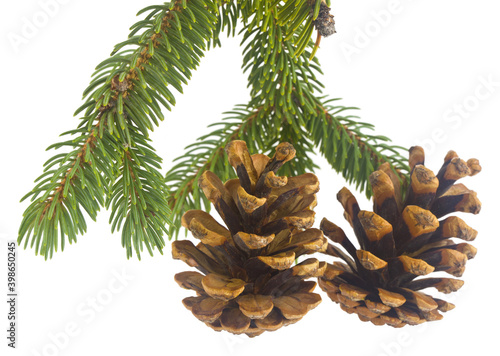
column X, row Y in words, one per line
column 400, row 242
column 247, row 283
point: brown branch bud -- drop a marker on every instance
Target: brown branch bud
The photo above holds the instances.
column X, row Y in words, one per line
column 119, row 86
column 324, row 23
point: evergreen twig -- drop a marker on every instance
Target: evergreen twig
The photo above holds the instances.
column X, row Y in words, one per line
column 110, row 153
column 342, row 140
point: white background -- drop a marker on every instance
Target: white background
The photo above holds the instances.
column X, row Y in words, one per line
column 409, row 74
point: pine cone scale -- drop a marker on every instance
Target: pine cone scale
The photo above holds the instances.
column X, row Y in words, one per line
column 255, row 306
column 234, row 321
column 208, row 309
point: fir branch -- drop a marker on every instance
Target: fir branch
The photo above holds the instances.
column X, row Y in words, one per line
column 301, row 18
column 124, row 101
column 227, row 20
column 349, row 150
column 138, row 200
column 69, row 183
column 279, row 79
